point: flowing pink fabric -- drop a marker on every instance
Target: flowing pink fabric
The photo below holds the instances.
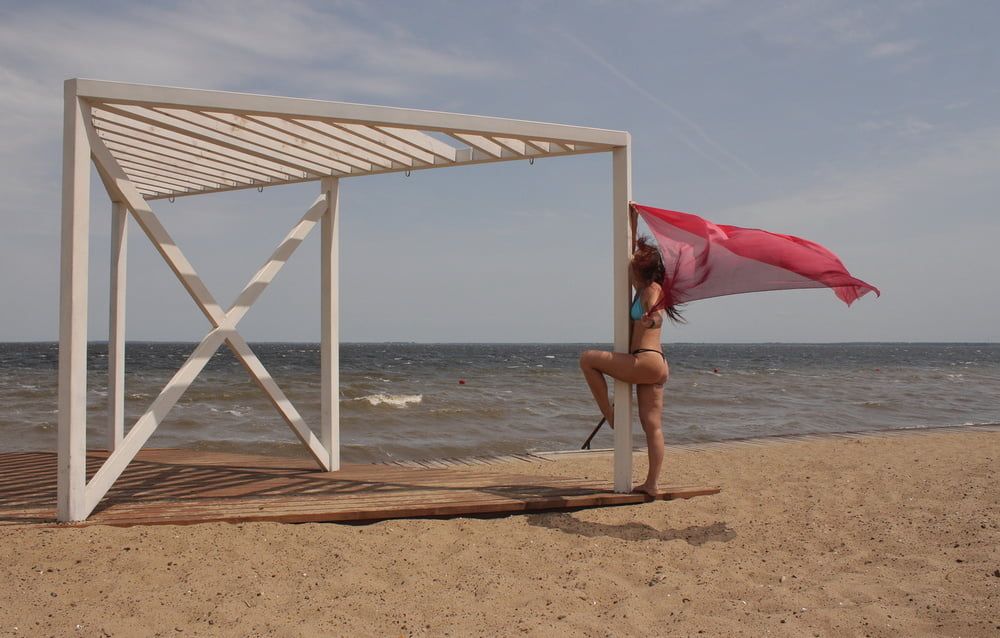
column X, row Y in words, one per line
column 705, row 260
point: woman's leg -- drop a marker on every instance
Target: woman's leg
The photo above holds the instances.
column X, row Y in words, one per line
column 650, row 400
column 624, row 367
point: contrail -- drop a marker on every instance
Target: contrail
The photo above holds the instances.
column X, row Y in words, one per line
column 669, row 109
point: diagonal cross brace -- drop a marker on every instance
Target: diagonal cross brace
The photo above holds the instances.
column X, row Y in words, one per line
column 223, row 322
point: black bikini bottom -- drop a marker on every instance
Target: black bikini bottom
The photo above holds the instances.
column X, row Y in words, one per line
column 635, row 352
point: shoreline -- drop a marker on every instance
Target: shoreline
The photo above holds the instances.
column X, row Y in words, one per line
column 877, row 535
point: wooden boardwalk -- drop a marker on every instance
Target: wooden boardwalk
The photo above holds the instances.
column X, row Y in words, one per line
column 190, row 486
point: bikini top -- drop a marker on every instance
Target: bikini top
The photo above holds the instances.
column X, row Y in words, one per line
column 636, row 311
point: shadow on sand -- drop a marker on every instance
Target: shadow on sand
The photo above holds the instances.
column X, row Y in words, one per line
column 693, row 535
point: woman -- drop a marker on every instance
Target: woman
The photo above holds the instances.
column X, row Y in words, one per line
column 646, row 366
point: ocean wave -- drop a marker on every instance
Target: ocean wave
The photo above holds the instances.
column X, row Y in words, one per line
column 395, row 400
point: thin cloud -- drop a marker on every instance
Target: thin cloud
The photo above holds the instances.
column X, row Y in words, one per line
column 892, row 49
column 714, row 150
column 908, row 126
column 295, row 48
column 910, row 188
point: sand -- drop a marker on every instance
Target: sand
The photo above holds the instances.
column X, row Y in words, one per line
column 877, row 537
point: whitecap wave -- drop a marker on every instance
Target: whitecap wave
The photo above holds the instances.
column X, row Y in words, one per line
column 395, row 400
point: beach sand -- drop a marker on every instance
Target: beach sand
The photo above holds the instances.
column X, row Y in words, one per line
column 891, row 536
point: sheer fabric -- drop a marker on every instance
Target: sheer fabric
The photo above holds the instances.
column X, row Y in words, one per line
column 705, row 260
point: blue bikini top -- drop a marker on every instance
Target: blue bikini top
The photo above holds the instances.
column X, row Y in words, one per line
column 636, row 311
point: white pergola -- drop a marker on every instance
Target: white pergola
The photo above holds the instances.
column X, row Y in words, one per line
column 151, row 143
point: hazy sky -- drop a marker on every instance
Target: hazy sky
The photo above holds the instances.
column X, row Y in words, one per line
column 870, row 128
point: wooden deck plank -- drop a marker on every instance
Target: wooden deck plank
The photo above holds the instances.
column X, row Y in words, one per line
column 165, row 486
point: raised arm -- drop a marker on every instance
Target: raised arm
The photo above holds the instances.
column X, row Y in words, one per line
column 633, row 222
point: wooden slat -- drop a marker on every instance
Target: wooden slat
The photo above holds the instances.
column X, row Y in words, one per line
column 190, row 486
column 141, row 124
column 151, row 139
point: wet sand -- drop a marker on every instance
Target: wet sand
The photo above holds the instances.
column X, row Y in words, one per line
column 880, row 537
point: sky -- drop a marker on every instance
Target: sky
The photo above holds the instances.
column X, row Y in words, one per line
column 871, row 128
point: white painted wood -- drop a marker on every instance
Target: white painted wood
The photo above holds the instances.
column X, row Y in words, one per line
column 481, row 143
column 515, row 146
column 134, row 170
column 622, row 238
column 204, row 127
column 140, row 432
column 365, row 149
column 116, row 326
column 223, row 325
column 265, row 382
column 220, row 144
column 160, row 187
column 330, row 322
column 128, row 160
column 188, row 372
column 416, row 156
column 344, row 112
column 165, row 142
column 541, row 147
column 141, row 135
column 421, row 140
column 243, row 131
column 175, row 160
column 303, row 140
column 72, row 435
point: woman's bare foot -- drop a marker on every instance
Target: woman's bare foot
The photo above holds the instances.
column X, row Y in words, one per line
column 648, row 489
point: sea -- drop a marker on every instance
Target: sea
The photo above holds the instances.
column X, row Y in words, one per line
column 403, row 401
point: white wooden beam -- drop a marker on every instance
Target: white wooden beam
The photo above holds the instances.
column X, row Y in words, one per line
column 142, row 157
column 200, row 125
column 139, row 135
column 421, row 140
column 515, row 146
column 223, row 331
column 116, row 326
column 330, row 322
column 140, row 432
column 164, row 190
column 478, row 142
column 365, row 148
column 541, row 147
column 159, row 185
column 73, row 267
column 136, row 169
column 343, row 112
column 417, row 154
column 304, row 140
column 215, row 141
column 223, row 326
column 621, row 193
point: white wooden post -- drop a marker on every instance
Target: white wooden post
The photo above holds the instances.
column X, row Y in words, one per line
column 622, row 237
column 330, row 323
column 116, row 326
column 72, row 446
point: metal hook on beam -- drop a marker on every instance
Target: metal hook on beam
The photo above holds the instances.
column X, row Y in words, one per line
column 170, row 199
column 531, row 161
column 407, row 173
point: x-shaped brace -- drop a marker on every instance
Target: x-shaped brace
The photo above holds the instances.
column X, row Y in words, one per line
column 223, row 323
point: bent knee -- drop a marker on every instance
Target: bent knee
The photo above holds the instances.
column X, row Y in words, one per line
column 587, row 358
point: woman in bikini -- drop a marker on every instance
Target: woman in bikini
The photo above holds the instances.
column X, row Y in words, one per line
column 646, row 367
